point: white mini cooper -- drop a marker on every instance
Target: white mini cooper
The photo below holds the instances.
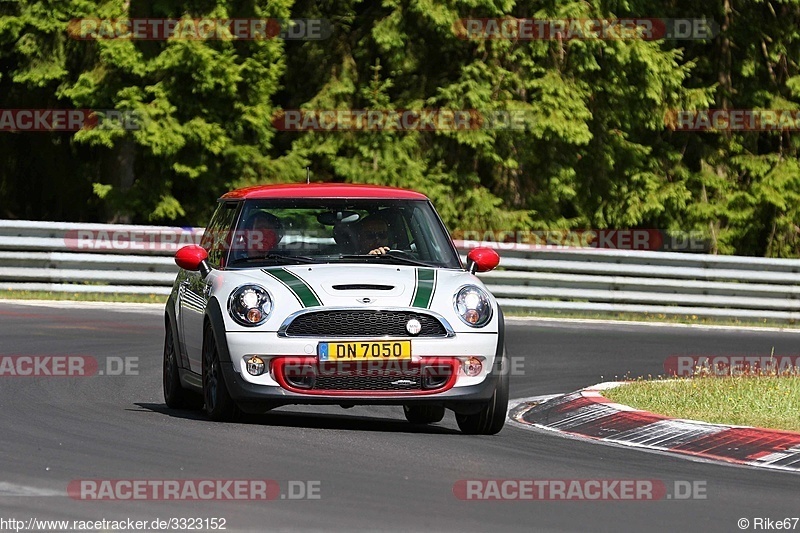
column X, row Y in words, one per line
column 334, row 294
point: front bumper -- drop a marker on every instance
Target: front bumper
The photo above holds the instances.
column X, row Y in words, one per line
column 252, row 397
column 242, row 345
column 259, row 393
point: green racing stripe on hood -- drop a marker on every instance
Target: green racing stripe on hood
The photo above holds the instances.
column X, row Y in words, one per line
column 301, row 290
column 425, row 285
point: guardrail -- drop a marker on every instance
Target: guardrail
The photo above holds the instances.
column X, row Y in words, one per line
column 71, row 257
column 106, row 258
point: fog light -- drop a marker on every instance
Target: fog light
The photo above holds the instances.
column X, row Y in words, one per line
column 472, row 366
column 255, row 366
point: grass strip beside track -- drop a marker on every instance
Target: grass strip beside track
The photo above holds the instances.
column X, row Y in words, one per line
column 765, row 401
column 84, row 296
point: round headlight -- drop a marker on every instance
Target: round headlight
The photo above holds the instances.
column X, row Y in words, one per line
column 250, row 305
column 472, row 306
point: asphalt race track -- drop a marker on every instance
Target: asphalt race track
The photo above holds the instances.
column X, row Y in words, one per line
column 375, row 471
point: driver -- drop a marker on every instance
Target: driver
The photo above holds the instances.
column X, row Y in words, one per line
column 262, row 232
column 373, row 235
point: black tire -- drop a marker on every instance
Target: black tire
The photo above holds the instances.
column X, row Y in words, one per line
column 175, row 396
column 492, row 416
column 423, row 414
column 219, row 405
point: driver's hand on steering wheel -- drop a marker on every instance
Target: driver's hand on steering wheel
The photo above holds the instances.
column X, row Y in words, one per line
column 379, row 251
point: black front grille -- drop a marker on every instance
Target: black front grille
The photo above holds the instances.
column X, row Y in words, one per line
column 366, row 323
column 368, row 383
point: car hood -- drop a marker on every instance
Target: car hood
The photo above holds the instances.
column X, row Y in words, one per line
column 356, row 285
column 299, row 287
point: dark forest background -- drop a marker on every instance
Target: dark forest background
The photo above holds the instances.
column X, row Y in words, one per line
column 595, row 153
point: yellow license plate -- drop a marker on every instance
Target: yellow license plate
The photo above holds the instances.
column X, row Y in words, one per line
column 364, row 351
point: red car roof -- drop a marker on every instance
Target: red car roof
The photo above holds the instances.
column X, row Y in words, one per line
column 323, row 190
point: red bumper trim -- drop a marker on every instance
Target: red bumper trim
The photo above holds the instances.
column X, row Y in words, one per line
column 278, row 367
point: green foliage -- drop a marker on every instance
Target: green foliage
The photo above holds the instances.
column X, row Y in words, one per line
column 594, row 150
column 203, row 107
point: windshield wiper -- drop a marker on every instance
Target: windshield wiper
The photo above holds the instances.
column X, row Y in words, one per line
column 385, row 257
column 275, row 257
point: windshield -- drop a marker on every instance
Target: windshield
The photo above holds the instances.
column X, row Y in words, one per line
column 292, row 231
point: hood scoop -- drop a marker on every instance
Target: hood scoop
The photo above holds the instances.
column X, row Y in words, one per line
column 363, row 287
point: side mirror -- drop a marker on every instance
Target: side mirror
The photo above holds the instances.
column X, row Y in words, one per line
column 193, row 258
column 482, row 260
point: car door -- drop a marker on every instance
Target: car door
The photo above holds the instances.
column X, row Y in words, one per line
column 195, row 290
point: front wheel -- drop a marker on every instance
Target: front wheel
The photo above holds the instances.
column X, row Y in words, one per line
column 492, row 416
column 175, row 396
column 423, row 414
column 219, row 405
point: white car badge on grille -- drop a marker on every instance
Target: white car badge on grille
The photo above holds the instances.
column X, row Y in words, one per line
column 365, row 300
column 413, row 327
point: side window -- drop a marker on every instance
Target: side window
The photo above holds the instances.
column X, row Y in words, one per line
column 216, row 239
column 418, row 235
column 426, row 244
